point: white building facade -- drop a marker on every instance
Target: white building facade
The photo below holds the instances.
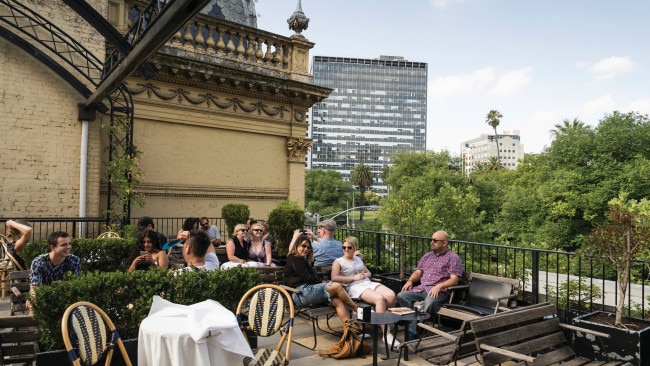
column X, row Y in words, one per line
column 481, row 149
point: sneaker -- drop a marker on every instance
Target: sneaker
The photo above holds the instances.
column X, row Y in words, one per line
column 390, row 339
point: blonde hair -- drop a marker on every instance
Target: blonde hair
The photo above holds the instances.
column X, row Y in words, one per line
column 352, row 240
column 239, row 227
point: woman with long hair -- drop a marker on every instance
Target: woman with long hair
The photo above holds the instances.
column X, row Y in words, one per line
column 147, row 252
column 299, row 273
column 260, row 249
column 238, row 249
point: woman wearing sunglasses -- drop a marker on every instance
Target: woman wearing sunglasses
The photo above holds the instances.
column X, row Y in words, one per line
column 260, row 249
column 299, row 273
column 237, row 249
column 350, row 270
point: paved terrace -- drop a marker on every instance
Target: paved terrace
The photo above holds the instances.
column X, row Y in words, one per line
column 301, row 356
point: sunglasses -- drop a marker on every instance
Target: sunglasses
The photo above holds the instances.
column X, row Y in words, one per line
column 243, row 230
column 345, row 247
column 258, row 230
column 436, row 240
column 305, row 246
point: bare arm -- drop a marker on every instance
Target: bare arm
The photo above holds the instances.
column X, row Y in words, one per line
column 267, row 249
column 415, row 277
column 26, row 234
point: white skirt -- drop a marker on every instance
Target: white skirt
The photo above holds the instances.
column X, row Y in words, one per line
column 357, row 289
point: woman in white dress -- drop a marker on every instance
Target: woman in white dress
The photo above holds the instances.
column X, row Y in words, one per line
column 350, row 270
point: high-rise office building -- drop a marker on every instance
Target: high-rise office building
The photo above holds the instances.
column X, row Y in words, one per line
column 479, row 150
column 377, row 107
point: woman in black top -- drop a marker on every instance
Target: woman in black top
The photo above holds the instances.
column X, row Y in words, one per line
column 299, row 273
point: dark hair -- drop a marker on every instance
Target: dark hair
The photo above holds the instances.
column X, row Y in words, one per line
column 145, row 221
column 53, row 238
column 189, row 222
column 151, row 235
column 199, row 241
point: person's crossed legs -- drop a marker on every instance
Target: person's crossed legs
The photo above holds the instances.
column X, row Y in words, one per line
column 431, row 306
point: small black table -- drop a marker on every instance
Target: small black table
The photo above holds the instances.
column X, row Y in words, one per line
column 408, row 318
column 377, row 319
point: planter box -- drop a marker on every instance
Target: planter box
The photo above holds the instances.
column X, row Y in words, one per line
column 60, row 357
column 623, row 345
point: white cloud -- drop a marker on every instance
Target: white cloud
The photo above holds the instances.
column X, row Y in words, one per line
column 512, row 82
column 597, row 107
column 610, row 67
column 444, row 86
column 639, row 105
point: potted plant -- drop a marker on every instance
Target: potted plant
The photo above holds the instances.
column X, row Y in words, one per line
column 623, row 235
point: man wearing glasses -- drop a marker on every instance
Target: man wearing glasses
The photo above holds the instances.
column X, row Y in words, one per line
column 211, row 230
column 326, row 249
column 437, row 270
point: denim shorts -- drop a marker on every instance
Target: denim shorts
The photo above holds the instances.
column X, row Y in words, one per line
column 311, row 294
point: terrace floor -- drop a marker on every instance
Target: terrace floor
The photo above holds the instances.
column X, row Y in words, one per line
column 301, row 356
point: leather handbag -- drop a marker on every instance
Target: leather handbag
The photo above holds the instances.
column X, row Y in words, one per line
column 350, row 345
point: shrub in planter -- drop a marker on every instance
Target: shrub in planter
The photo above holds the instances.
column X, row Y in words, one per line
column 233, row 214
column 126, row 296
column 286, row 217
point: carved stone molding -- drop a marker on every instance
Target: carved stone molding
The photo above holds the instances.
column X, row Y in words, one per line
column 209, row 100
column 297, row 148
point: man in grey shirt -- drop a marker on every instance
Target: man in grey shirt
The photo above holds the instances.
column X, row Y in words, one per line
column 326, row 249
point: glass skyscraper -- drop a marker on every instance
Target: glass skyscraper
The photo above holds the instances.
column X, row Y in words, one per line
column 377, row 107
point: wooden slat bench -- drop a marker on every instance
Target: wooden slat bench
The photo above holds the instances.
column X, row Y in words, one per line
column 18, row 338
column 483, row 295
column 529, row 336
column 441, row 348
column 19, row 284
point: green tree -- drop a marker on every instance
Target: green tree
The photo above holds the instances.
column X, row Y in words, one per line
column 325, row 191
column 623, row 235
column 233, row 214
column 361, row 176
column 493, row 119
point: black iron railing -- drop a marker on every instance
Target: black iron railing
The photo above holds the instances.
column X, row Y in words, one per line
column 577, row 284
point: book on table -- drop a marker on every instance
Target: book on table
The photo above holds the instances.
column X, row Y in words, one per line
column 401, row 311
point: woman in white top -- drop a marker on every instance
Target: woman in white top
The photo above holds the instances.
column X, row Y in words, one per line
column 349, row 269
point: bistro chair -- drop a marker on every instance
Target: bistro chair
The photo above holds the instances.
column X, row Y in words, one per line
column 264, row 307
column 89, row 334
column 8, row 264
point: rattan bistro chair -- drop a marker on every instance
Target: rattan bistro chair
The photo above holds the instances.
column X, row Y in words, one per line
column 265, row 306
column 8, row 264
column 88, row 334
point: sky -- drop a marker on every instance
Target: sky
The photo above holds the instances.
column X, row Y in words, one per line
column 536, row 62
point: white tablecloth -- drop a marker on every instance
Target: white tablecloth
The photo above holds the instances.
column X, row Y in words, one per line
column 200, row 334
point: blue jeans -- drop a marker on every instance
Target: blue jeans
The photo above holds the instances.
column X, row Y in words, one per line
column 431, row 306
column 311, row 295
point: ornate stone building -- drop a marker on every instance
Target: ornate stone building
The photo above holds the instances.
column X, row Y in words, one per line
column 223, row 120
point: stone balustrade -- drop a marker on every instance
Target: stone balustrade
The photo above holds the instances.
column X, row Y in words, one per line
column 205, row 37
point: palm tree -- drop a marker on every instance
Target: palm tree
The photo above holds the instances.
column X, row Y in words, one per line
column 567, row 127
column 493, row 118
column 361, row 176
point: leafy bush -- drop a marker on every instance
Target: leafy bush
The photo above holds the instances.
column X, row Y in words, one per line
column 233, row 214
column 286, row 217
column 574, row 294
column 114, row 291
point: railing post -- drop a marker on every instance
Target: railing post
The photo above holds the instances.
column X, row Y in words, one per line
column 377, row 249
column 535, row 277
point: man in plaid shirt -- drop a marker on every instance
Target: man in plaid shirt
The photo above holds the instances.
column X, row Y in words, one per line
column 437, row 270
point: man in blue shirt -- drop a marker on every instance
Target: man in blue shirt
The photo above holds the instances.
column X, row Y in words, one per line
column 326, row 248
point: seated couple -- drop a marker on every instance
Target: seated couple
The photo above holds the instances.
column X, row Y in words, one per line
column 250, row 252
